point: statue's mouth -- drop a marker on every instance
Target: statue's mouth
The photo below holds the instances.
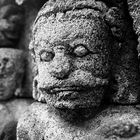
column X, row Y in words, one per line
column 68, row 93
column 64, row 89
column 72, row 86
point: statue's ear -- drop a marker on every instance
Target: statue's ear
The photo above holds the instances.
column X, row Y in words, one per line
column 37, row 94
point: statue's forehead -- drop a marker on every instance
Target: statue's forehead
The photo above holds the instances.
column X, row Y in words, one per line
column 71, row 30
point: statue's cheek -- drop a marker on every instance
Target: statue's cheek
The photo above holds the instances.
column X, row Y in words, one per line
column 97, row 64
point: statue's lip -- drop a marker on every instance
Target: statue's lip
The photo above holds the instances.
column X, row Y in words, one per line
column 68, row 93
column 63, row 89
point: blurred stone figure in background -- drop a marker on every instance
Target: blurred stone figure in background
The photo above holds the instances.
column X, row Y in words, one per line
column 10, row 111
column 12, row 63
column 16, row 18
column 11, row 25
column 12, row 68
column 84, row 52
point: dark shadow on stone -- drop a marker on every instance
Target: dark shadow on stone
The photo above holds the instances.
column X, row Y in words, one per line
column 9, row 131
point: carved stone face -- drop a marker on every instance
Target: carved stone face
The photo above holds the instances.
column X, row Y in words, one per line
column 11, row 72
column 72, row 57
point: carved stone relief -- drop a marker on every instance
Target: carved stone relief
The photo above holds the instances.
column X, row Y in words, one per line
column 84, row 76
column 86, row 60
column 11, row 72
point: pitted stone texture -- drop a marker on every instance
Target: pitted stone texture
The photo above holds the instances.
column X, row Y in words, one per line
column 31, row 8
column 11, row 24
column 41, row 122
column 134, row 10
column 72, row 55
column 12, row 63
column 59, row 28
column 5, row 117
column 31, row 2
column 125, row 82
column 10, row 112
column 119, row 123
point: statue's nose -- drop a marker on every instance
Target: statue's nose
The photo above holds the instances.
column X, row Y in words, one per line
column 61, row 67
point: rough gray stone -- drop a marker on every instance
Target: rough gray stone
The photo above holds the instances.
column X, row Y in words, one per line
column 72, row 56
column 119, row 123
column 12, row 63
column 84, row 51
column 31, row 8
column 10, row 112
column 59, row 23
column 11, row 24
column 42, row 122
column 134, row 10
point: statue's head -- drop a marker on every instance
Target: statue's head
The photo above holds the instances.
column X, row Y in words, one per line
column 11, row 72
column 11, row 24
column 71, row 44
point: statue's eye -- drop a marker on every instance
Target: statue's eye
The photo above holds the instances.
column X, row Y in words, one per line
column 81, row 50
column 46, row 56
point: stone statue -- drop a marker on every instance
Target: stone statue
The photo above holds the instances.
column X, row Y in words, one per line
column 134, row 10
column 124, row 80
column 84, row 52
column 12, row 63
column 10, row 112
column 11, row 24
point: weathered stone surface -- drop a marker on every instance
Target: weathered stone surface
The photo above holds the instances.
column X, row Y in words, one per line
column 72, row 56
column 119, row 123
column 11, row 24
column 31, row 8
column 5, row 117
column 10, row 112
column 84, row 52
column 115, row 123
column 60, row 24
column 134, row 10
column 16, row 18
column 12, row 63
column 44, row 122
